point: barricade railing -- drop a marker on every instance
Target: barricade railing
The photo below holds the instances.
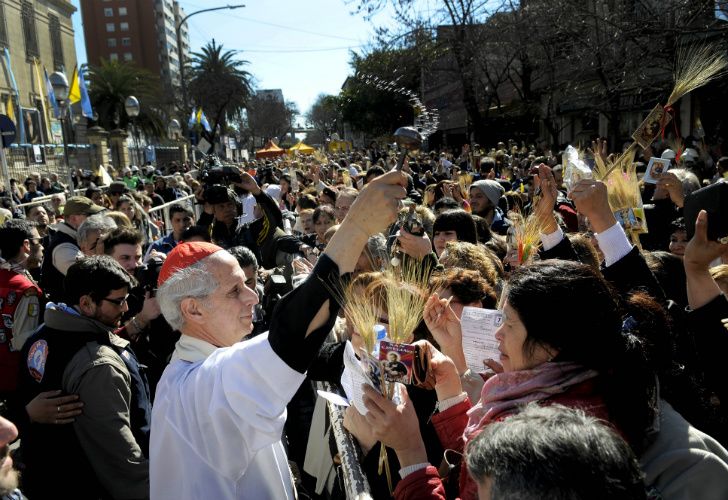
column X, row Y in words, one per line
column 41, row 200
column 356, row 484
column 186, row 201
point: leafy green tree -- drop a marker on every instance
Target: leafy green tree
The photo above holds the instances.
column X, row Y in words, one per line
column 111, row 82
column 219, row 85
column 373, row 101
column 325, row 115
column 269, row 118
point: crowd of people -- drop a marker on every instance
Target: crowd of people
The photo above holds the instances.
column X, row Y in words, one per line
column 175, row 352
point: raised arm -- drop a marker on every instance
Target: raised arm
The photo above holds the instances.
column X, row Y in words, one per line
column 303, row 318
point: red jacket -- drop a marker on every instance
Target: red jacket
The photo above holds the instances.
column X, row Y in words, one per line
column 425, row 484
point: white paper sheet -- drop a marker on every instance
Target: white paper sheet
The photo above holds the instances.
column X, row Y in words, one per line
column 353, row 378
column 333, row 398
column 479, row 343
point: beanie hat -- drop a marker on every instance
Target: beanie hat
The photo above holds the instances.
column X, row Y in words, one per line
column 491, row 189
column 184, row 255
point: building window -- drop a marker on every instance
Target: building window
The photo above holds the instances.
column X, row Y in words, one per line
column 126, row 42
column 113, row 56
column 108, row 12
column 127, row 56
column 111, row 42
column 3, row 29
column 110, row 27
column 54, row 25
column 124, row 26
column 122, row 11
column 29, row 32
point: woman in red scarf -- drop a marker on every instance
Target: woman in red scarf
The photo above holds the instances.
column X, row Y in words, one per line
column 561, row 341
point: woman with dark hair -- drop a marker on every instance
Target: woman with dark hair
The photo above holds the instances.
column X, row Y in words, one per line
column 453, row 225
column 584, row 360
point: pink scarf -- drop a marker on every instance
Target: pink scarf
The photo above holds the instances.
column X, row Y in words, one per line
column 506, row 391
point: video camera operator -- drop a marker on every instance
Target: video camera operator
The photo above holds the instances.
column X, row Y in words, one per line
column 151, row 336
column 264, row 236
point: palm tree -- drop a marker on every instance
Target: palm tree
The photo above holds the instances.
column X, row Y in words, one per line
column 219, row 85
column 112, row 82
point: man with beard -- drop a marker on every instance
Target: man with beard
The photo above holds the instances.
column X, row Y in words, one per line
column 103, row 453
column 484, row 197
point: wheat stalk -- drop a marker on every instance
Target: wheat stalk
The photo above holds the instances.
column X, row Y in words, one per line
column 696, row 65
column 526, row 235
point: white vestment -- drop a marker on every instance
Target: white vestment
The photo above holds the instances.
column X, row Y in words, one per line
column 217, row 423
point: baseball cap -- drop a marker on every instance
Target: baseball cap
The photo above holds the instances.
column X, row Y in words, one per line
column 80, row 205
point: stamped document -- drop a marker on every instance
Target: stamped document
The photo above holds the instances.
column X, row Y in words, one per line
column 479, row 343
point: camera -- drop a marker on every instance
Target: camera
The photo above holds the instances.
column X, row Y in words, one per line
column 214, row 172
column 148, row 274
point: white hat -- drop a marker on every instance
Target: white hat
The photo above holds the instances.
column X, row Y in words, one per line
column 134, row 168
column 689, row 155
column 668, row 154
column 125, row 170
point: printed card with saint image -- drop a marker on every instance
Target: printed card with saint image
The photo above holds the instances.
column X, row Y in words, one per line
column 396, row 361
column 655, row 167
column 651, row 126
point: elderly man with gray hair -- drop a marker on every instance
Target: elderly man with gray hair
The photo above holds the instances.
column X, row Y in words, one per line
column 220, row 406
column 92, row 231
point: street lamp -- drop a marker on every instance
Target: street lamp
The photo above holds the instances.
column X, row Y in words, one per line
column 180, row 52
column 132, row 108
column 174, row 129
column 59, row 82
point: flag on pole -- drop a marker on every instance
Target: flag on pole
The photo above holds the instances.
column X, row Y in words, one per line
column 74, row 91
column 19, row 121
column 9, row 110
column 202, row 120
column 78, row 93
column 51, row 96
column 199, row 118
column 44, row 109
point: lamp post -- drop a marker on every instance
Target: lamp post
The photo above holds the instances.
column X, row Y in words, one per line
column 180, row 52
column 174, row 129
column 59, row 82
column 132, row 108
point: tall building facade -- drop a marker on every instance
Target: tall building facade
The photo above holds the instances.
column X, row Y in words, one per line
column 138, row 31
column 34, row 31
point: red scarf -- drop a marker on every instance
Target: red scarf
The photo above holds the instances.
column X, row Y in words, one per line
column 506, row 391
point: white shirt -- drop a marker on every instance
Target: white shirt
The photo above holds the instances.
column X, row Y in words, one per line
column 217, row 423
column 249, row 204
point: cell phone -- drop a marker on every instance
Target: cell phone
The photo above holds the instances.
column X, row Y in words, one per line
column 714, row 200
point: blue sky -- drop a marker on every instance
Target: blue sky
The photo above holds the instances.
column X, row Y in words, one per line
column 299, row 47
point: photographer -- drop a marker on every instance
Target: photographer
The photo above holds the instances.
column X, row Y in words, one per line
column 151, row 336
column 264, row 236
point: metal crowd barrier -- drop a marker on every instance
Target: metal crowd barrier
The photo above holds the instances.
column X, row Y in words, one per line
column 356, row 485
column 40, row 200
column 188, row 201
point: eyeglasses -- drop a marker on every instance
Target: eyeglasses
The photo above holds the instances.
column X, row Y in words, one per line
column 118, row 302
